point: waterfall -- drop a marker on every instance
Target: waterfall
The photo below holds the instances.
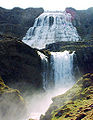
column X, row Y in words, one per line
column 44, row 62
column 62, row 65
column 58, row 73
column 51, row 27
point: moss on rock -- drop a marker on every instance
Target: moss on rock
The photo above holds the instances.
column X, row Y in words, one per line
column 12, row 105
column 75, row 104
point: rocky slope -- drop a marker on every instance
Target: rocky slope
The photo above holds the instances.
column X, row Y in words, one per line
column 83, row 21
column 12, row 106
column 17, row 21
column 75, row 104
column 20, row 65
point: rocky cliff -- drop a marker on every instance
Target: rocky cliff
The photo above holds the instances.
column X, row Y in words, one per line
column 17, row 21
column 20, row 65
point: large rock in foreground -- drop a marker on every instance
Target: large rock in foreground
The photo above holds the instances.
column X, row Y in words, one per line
column 12, row 106
column 20, row 65
column 75, row 104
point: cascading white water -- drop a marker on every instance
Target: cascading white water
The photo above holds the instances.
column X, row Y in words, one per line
column 60, row 70
column 51, row 27
column 57, row 74
column 62, row 64
column 44, row 61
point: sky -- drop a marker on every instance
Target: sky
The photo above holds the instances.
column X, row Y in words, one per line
column 47, row 4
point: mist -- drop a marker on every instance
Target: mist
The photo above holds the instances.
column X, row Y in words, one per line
column 38, row 103
column 11, row 108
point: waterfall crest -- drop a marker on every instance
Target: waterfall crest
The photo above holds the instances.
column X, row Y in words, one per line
column 51, row 27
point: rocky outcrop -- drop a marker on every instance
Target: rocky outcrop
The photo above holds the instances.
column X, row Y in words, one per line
column 17, row 21
column 20, row 65
column 83, row 21
column 75, row 104
column 12, row 105
column 83, row 59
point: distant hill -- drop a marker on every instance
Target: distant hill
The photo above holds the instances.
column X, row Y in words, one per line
column 83, row 21
column 17, row 21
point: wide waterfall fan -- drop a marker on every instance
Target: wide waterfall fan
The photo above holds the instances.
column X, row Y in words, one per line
column 51, row 27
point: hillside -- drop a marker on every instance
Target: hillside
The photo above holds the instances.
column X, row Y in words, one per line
column 75, row 104
column 83, row 21
column 17, row 21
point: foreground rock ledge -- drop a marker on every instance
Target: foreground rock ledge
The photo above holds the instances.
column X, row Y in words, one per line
column 75, row 104
column 12, row 105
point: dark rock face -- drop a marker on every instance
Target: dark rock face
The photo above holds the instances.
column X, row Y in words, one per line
column 20, row 65
column 17, row 21
column 83, row 21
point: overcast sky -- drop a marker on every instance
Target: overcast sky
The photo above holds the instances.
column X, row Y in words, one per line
column 47, row 4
